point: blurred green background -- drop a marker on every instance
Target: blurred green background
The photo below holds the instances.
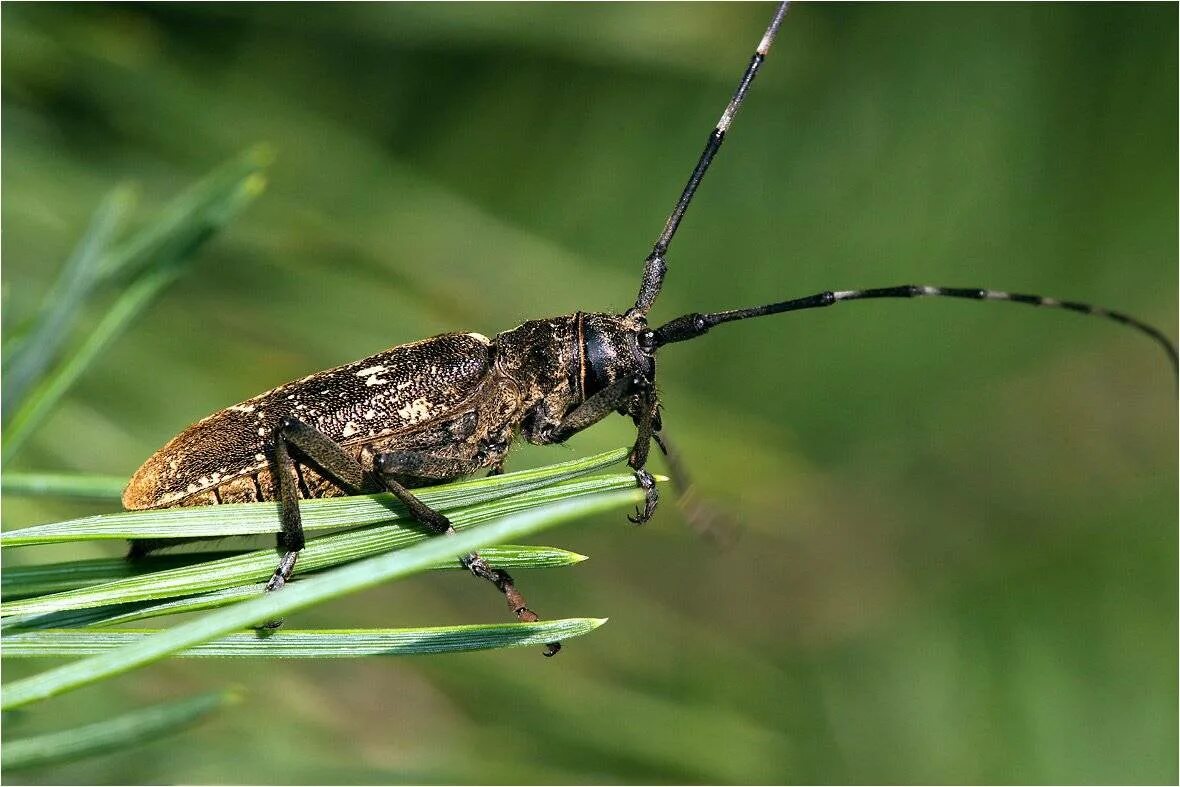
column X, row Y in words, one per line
column 958, row 542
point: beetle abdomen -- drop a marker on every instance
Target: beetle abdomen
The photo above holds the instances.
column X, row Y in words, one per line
column 401, row 391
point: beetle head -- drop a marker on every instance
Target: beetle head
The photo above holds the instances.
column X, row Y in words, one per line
column 612, row 356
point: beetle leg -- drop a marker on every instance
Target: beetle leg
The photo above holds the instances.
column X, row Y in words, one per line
column 348, row 473
column 645, row 421
column 651, row 497
column 290, row 539
column 401, row 463
column 594, row 409
column 345, row 471
column 321, row 451
column 324, row 453
column 587, row 413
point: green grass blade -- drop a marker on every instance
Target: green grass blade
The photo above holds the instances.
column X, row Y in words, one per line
column 154, row 257
column 312, row 644
column 509, row 557
column 84, row 485
column 40, row 579
column 191, row 216
column 263, row 518
column 36, row 580
column 109, row 735
column 74, row 284
column 318, row 554
column 314, row 590
column 118, row 614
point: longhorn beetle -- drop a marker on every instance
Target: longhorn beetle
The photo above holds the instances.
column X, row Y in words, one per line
column 449, row 406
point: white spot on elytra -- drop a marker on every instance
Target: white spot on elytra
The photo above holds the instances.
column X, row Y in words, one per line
column 259, row 457
column 350, row 429
column 370, row 413
column 480, row 337
column 243, row 408
column 371, row 373
column 415, row 411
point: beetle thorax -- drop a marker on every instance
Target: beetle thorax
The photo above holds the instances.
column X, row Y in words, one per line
column 560, row 363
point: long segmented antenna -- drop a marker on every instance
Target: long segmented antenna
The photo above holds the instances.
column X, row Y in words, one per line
column 689, row 326
column 655, row 268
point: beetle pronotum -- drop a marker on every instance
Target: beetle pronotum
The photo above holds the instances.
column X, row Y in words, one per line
column 451, row 405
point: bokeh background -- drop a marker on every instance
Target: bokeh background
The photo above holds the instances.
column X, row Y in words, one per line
column 958, row 521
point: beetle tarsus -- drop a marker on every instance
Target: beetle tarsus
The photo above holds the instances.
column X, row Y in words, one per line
column 647, row 483
column 282, row 572
column 277, row 581
column 506, row 585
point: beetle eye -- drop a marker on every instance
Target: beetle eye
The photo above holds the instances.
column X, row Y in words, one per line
column 612, row 353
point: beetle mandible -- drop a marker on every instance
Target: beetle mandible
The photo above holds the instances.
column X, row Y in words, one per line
column 449, row 406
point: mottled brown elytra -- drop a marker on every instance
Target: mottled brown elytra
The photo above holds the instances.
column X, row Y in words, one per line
column 450, row 406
